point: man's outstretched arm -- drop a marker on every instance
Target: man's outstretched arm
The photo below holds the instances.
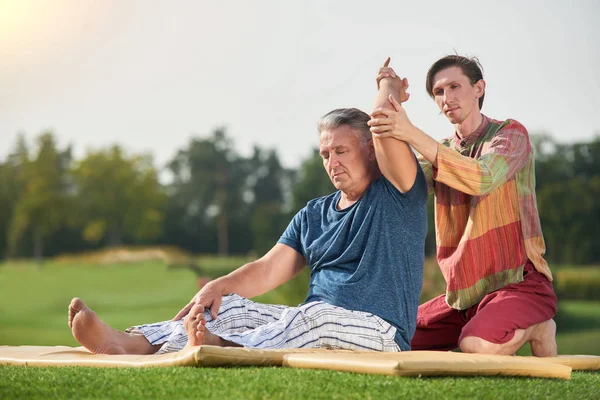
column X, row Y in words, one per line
column 276, row 267
column 395, row 158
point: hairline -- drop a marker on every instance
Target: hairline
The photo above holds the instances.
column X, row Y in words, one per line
column 355, row 119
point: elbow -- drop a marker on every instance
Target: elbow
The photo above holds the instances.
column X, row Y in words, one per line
column 483, row 189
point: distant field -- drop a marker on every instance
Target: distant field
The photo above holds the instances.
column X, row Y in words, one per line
column 33, row 301
column 33, row 311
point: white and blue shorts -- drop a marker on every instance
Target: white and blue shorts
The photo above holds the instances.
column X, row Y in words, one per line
column 266, row 326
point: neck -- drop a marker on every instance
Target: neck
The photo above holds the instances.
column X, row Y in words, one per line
column 351, row 196
column 469, row 125
column 348, row 198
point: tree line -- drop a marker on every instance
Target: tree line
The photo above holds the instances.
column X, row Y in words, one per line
column 220, row 202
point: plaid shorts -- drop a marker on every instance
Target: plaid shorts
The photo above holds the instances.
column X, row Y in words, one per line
column 267, row 326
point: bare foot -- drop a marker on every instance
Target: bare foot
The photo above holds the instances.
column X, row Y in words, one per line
column 100, row 338
column 195, row 327
column 543, row 339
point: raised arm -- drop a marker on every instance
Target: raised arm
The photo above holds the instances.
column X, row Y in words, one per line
column 395, row 158
column 276, row 267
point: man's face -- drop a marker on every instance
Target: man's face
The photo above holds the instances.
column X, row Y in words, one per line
column 346, row 160
column 454, row 94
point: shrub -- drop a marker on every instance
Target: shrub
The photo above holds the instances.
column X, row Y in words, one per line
column 581, row 283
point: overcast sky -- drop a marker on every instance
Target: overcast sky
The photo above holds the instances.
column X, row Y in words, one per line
column 151, row 74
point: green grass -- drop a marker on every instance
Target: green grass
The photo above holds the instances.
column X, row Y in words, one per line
column 33, row 311
column 122, row 294
column 275, row 383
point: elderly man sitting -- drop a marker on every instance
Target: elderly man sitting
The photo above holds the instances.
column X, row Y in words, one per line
column 363, row 244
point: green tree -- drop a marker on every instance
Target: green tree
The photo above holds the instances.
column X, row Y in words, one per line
column 10, row 189
column 268, row 180
column 567, row 188
column 567, row 211
column 42, row 203
column 207, row 191
column 118, row 196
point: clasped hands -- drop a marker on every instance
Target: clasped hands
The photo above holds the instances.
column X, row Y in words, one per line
column 390, row 119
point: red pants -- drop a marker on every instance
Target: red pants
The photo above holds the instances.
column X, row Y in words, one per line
column 495, row 318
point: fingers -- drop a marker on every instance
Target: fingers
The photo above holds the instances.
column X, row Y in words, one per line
column 383, row 74
column 214, row 307
column 379, row 129
column 387, row 73
column 380, row 125
column 184, row 311
column 379, row 121
column 394, row 103
column 381, row 112
column 383, row 135
column 387, row 62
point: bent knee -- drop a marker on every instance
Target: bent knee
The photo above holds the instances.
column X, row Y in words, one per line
column 474, row 344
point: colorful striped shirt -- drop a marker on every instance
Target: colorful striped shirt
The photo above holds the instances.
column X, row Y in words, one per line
column 486, row 218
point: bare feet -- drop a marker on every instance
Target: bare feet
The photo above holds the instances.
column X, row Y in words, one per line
column 198, row 334
column 100, row 338
column 195, row 326
column 543, row 339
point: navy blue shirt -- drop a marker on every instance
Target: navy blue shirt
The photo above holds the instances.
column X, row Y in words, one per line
column 369, row 256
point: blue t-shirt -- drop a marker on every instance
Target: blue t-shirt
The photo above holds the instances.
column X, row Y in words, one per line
column 368, row 257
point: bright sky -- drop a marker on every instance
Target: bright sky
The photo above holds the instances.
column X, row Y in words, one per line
column 151, row 74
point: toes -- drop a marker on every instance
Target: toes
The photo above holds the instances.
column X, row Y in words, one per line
column 200, row 325
column 75, row 306
column 196, row 313
column 197, row 309
column 195, row 320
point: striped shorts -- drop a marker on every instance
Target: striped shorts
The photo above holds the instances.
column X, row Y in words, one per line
column 266, row 326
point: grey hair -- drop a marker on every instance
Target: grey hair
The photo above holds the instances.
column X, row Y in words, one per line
column 353, row 117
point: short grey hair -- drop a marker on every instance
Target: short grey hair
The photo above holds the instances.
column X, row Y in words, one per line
column 353, row 117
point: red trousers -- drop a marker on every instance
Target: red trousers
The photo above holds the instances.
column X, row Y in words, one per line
column 495, row 318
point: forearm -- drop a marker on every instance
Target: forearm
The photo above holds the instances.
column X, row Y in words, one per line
column 475, row 177
column 395, row 158
column 424, row 145
column 276, row 267
column 506, row 155
column 250, row 280
column 386, row 88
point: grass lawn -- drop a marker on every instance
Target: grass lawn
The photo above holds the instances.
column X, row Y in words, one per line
column 275, row 383
column 33, row 311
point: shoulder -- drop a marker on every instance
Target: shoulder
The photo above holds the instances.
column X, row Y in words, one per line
column 319, row 203
column 382, row 187
column 509, row 133
column 447, row 142
column 508, row 126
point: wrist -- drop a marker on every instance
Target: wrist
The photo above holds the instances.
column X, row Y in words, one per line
column 223, row 285
column 413, row 135
column 389, row 84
